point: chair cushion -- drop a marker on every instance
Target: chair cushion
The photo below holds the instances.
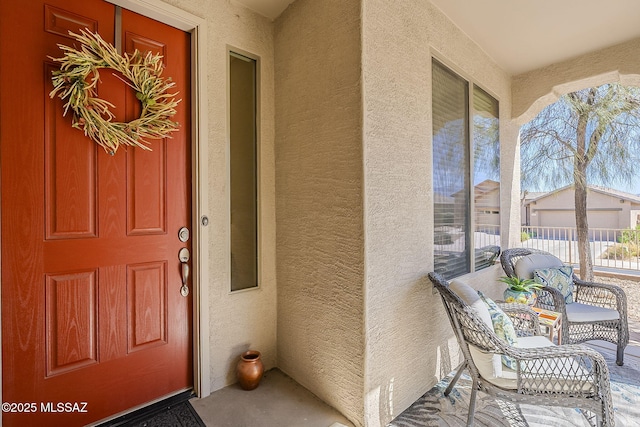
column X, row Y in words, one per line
column 508, row 377
column 526, row 265
column 489, row 361
column 503, row 327
column 578, row 312
column 470, row 296
column 560, row 278
column 565, row 366
column 576, row 377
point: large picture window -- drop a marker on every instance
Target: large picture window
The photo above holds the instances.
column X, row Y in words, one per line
column 466, row 174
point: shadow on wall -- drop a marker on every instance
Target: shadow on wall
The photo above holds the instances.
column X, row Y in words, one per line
column 233, row 360
column 379, row 401
column 422, row 350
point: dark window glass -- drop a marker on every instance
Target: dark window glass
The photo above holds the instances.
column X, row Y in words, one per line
column 243, row 159
column 464, row 242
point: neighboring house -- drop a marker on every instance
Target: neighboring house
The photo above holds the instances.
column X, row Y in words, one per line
column 487, row 203
column 344, row 186
column 525, row 198
column 606, row 208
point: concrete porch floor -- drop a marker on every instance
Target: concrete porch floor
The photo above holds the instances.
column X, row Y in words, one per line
column 278, row 401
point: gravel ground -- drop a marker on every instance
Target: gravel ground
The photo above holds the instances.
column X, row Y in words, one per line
column 631, row 289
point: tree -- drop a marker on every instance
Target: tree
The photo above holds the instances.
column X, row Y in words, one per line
column 589, row 136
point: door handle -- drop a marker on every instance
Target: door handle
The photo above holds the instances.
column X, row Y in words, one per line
column 185, row 273
column 184, row 256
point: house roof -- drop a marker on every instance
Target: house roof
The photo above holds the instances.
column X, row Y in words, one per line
column 621, row 194
column 604, row 190
column 440, row 198
column 522, row 35
column 486, row 186
column 529, row 196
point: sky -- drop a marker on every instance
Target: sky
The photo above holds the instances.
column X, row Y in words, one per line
column 633, row 188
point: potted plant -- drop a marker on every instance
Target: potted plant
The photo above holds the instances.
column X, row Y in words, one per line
column 520, row 290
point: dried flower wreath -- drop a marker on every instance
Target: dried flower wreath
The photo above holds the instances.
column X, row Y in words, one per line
column 77, row 79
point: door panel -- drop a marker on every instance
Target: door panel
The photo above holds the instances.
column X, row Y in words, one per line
column 91, row 304
column 147, row 306
column 70, row 197
column 71, row 319
column 61, row 21
column 146, row 191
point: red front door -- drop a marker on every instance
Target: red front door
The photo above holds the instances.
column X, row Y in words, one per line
column 93, row 321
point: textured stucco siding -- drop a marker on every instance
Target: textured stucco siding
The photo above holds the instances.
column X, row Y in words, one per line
column 409, row 343
column 510, row 207
column 534, row 90
column 245, row 319
column 319, row 200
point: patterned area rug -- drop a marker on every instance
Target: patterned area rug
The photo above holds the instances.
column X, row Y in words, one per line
column 434, row 409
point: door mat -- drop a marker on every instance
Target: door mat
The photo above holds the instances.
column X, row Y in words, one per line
column 175, row 411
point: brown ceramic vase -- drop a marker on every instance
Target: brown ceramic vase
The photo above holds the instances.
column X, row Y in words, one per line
column 249, row 370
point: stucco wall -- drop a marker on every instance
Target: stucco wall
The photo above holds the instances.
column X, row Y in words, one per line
column 348, row 157
column 409, row 343
column 534, row 90
column 319, row 200
column 322, row 204
column 245, row 319
column 509, row 178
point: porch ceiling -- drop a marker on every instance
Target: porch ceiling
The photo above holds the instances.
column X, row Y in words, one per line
column 269, row 8
column 522, row 35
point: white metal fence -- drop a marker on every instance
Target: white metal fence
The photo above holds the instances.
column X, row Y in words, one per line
column 610, row 248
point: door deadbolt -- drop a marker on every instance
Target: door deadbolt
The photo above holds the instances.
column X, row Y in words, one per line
column 183, row 234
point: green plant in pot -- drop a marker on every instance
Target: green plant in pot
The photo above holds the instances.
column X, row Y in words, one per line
column 520, row 290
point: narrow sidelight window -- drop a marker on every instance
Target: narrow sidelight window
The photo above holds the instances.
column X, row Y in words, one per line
column 243, row 159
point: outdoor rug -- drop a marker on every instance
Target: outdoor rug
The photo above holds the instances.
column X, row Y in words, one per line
column 434, row 409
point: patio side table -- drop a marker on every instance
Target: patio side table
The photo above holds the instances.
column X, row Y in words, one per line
column 552, row 321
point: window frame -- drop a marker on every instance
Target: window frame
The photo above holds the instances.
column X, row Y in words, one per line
column 239, row 53
column 471, row 85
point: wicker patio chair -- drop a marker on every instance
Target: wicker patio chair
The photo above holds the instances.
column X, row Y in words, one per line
column 599, row 311
column 486, row 256
column 573, row 376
